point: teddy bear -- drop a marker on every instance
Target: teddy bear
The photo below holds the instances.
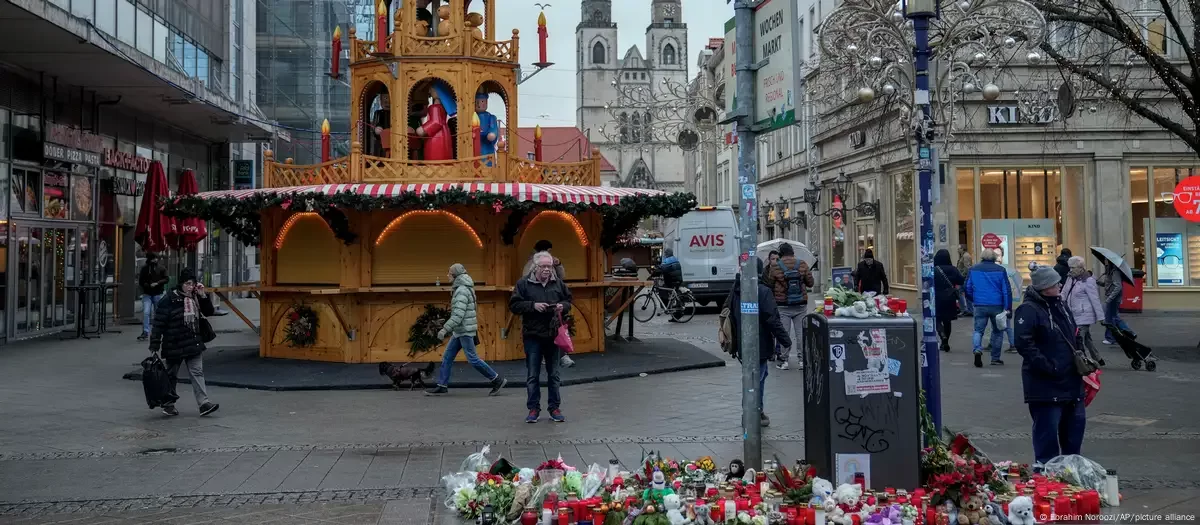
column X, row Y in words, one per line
column 822, row 492
column 701, row 514
column 474, row 22
column 1020, row 511
column 848, row 501
column 971, row 511
column 672, row 504
column 445, row 27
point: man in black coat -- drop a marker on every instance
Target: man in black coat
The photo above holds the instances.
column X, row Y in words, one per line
column 541, row 299
column 1045, row 333
column 770, row 330
column 151, row 279
column 1060, row 265
column 176, row 333
column 870, row 275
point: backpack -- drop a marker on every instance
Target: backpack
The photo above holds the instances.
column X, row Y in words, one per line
column 796, row 292
column 725, row 331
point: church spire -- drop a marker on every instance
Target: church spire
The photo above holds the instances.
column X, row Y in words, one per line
column 666, row 11
column 596, row 13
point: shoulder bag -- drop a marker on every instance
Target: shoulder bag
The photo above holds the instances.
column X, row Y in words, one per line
column 962, row 298
column 1084, row 365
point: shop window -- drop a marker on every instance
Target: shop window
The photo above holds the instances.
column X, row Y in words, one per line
column 3, row 208
column 837, row 241
column 904, row 258
column 1176, row 240
column 965, row 180
column 1139, row 191
column 56, row 195
column 864, row 225
column 82, row 198
column 26, row 191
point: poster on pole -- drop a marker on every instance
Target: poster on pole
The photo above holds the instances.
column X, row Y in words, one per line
column 777, row 85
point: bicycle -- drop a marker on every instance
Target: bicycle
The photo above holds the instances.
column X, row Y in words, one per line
column 680, row 305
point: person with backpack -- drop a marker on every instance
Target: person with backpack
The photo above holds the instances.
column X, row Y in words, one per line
column 770, row 330
column 789, row 280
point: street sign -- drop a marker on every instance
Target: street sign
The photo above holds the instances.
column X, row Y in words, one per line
column 777, row 85
column 728, row 67
column 990, row 241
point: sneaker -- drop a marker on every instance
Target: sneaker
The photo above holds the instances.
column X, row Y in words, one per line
column 437, row 391
column 143, row 337
column 497, row 384
column 566, row 361
column 534, row 416
column 1011, row 350
column 1107, row 342
column 783, row 365
column 799, row 365
column 208, row 408
column 557, row 417
column 978, row 360
column 170, row 410
column 997, row 362
column 764, row 420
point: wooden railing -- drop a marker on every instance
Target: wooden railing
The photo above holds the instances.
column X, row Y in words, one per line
column 493, row 168
column 457, row 44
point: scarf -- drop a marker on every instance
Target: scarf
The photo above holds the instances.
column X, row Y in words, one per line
column 189, row 310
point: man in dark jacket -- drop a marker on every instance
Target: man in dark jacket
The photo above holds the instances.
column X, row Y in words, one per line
column 151, row 279
column 672, row 276
column 177, row 335
column 770, row 330
column 946, row 283
column 1060, row 265
column 1045, row 333
column 990, row 292
column 541, row 299
column 870, row 275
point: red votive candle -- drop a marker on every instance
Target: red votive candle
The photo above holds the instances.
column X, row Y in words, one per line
column 810, row 516
column 1043, row 511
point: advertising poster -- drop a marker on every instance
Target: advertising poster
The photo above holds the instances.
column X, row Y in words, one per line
column 841, row 277
column 997, row 242
column 1169, row 250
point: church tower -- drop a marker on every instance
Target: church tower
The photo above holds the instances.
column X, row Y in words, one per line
column 596, row 60
column 666, row 40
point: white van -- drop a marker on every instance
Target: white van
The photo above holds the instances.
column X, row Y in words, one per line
column 705, row 241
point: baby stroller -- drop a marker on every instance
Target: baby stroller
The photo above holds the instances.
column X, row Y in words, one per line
column 1137, row 353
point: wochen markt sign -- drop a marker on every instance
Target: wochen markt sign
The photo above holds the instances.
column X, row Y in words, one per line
column 777, row 85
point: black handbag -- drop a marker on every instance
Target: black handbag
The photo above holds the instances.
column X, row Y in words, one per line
column 205, row 329
column 156, row 382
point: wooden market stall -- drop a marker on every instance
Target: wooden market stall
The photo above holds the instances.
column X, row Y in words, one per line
column 364, row 242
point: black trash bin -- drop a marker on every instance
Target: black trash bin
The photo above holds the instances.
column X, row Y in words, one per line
column 861, row 396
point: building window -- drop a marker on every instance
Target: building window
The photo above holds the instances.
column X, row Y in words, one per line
column 161, row 38
column 668, row 55
column 837, row 241
column 904, row 258
column 598, row 54
column 647, row 133
column 106, row 16
column 126, row 21
column 637, row 128
column 1175, row 258
column 82, row 8
column 624, row 123
column 145, row 32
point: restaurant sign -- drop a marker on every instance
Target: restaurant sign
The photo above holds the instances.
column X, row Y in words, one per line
column 123, row 186
column 126, row 161
column 71, row 145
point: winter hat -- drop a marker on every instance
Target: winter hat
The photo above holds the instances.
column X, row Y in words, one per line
column 186, row 274
column 1045, row 278
column 868, row 254
column 457, row 269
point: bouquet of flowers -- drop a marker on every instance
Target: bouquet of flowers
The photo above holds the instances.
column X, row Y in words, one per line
column 952, row 476
column 489, row 490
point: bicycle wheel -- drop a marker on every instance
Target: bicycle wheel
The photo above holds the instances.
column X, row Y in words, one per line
column 682, row 307
column 644, row 308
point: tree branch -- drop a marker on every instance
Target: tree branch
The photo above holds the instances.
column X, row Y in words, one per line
column 1132, row 102
column 1188, row 52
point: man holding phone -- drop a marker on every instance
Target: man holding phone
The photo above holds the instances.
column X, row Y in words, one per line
column 541, row 299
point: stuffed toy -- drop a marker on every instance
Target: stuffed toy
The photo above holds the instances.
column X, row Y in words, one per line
column 822, row 493
column 672, row 504
column 657, row 491
column 890, row 515
column 701, row 514
column 737, row 469
column 971, row 511
column 1020, row 511
column 995, row 514
column 848, row 501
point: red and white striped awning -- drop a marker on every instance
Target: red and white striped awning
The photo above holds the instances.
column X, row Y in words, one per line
column 544, row 193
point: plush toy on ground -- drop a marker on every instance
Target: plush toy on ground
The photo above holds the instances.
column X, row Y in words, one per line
column 822, row 493
column 1020, row 511
column 995, row 514
column 971, row 511
column 657, row 491
column 848, row 501
column 674, row 514
column 701, row 514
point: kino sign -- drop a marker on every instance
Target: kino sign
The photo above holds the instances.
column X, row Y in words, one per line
column 777, row 85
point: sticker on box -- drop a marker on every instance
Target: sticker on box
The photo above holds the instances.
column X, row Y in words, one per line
column 893, row 366
column 863, row 382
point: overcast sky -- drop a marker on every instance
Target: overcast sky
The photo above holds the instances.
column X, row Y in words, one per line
column 552, row 92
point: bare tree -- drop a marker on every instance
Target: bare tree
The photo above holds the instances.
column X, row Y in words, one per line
column 1144, row 58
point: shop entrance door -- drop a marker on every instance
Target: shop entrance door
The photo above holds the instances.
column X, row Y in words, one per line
column 46, row 258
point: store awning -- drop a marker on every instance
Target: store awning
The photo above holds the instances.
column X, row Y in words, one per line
column 542, row 193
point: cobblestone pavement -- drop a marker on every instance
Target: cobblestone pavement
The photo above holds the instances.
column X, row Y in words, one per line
column 76, row 442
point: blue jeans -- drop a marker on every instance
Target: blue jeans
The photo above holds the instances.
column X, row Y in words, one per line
column 1112, row 315
column 466, row 343
column 537, row 351
column 1057, row 429
column 985, row 314
column 149, row 304
column 763, row 370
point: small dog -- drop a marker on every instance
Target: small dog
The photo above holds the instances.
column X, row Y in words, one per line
column 414, row 374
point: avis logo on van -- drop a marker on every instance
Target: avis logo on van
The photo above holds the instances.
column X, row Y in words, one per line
column 707, row 241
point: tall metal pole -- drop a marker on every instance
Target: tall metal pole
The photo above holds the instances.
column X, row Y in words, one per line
column 748, row 185
column 922, row 12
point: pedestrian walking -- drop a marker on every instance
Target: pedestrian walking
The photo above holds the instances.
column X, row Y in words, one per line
column 990, row 292
column 560, row 272
column 1052, row 386
column 947, row 283
column 1114, row 292
column 1061, row 264
column 789, row 279
column 541, row 299
column 964, row 260
column 176, row 336
column 1083, row 299
column 152, row 279
column 770, row 330
column 870, row 275
column 463, row 329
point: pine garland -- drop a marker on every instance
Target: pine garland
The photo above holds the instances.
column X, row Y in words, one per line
column 241, row 217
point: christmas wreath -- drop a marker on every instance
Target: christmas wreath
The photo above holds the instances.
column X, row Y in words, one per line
column 301, row 329
column 240, row 216
column 422, row 335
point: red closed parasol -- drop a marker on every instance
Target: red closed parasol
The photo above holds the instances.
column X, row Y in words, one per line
column 187, row 232
column 153, row 226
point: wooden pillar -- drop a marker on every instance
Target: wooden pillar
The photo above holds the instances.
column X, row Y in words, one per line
column 356, row 161
column 595, row 167
column 268, row 169
column 489, row 15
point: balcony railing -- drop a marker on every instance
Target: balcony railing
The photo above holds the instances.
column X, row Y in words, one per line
column 457, row 44
column 500, row 167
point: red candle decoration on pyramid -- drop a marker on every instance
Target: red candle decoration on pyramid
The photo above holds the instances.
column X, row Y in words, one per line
column 475, row 139
column 335, row 60
column 542, row 35
column 381, row 28
column 537, row 143
column 325, row 142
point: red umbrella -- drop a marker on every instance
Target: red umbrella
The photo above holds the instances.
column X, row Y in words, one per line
column 152, row 225
column 191, row 230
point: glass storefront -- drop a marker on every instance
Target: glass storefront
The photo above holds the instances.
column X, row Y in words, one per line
column 1165, row 245
column 904, row 252
column 46, row 259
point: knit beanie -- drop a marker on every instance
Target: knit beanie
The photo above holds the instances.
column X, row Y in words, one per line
column 1045, row 278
